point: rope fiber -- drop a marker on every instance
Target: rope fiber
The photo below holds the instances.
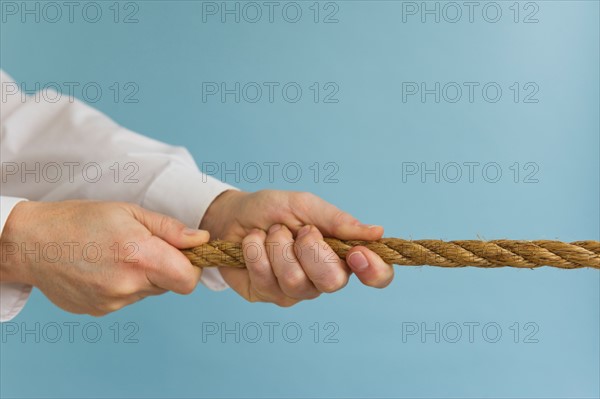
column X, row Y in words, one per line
column 487, row 254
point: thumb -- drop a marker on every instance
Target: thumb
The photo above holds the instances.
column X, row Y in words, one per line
column 170, row 230
column 333, row 222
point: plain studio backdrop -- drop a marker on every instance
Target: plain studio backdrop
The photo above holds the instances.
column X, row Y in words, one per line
column 436, row 120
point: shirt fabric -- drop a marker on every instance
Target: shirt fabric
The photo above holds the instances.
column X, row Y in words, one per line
column 64, row 149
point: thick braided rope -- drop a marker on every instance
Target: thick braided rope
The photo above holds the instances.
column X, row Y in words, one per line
column 495, row 253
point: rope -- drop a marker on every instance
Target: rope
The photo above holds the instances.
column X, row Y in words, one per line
column 488, row 254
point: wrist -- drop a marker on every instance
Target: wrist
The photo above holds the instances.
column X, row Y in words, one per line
column 219, row 217
column 12, row 267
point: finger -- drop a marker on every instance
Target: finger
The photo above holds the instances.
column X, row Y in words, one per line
column 254, row 254
column 261, row 274
column 142, row 294
column 370, row 269
column 153, row 291
column 291, row 277
column 324, row 268
column 332, row 221
column 138, row 296
column 170, row 230
column 238, row 280
column 258, row 281
column 167, row 268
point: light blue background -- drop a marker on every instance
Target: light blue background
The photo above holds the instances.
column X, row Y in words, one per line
column 368, row 134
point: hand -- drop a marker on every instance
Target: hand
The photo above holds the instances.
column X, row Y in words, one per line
column 97, row 257
column 282, row 237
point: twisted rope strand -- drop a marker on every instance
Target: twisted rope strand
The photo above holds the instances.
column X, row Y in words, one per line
column 488, row 254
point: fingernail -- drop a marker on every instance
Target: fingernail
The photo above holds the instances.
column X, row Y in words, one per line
column 303, row 231
column 274, row 228
column 358, row 262
column 369, row 226
column 191, row 232
column 366, row 226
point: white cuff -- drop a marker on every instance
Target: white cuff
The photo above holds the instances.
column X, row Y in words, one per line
column 13, row 296
column 6, row 206
column 186, row 194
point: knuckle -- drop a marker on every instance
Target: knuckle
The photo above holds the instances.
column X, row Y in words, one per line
column 253, row 297
column 333, row 283
column 133, row 208
column 384, row 283
column 259, row 266
column 312, row 248
column 102, row 288
column 262, row 194
column 111, row 307
column 302, row 200
column 119, row 290
column 165, row 222
column 105, row 308
column 382, row 280
column 308, row 240
column 253, row 252
column 187, row 286
column 130, row 205
column 183, row 279
column 254, row 236
column 305, row 196
column 340, row 219
column 285, row 302
column 281, row 235
column 313, row 295
column 274, row 202
column 294, row 281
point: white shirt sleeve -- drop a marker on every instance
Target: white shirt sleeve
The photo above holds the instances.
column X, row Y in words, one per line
column 13, row 296
column 64, row 149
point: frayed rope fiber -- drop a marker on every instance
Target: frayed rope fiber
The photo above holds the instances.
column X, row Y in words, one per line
column 488, row 254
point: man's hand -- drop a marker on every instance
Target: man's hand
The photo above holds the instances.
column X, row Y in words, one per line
column 97, row 257
column 286, row 257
